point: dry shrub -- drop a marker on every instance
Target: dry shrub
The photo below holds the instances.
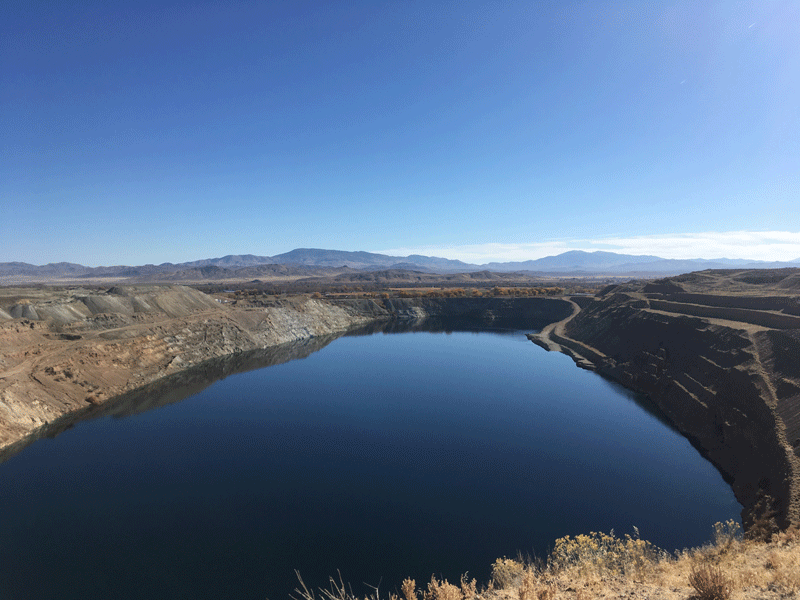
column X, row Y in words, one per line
column 789, row 580
column 784, row 565
column 773, row 561
column 788, row 536
column 727, row 535
column 441, row 590
column 601, row 554
column 527, row 587
column 710, row 583
column 409, row 589
column 546, row 593
column 589, row 566
column 747, row 576
column 507, row 572
column 763, row 519
column 532, row 588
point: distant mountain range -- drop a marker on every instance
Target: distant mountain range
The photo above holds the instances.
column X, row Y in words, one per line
column 310, row 262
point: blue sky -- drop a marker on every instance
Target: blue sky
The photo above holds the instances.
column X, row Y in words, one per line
column 136, row 132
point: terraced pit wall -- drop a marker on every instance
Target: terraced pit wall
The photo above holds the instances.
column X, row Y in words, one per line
column 727, row 378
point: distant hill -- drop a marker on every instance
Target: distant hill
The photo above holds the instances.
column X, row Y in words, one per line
column 574, row 260
column 216, row 273
column 314, row 262
column 368, row 260
column 579, row 261
column 231, row 261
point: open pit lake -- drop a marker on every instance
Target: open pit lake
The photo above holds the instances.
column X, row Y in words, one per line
column 381, row 456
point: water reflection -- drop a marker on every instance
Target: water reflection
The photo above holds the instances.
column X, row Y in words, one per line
column 187, row 383
column 177, row 387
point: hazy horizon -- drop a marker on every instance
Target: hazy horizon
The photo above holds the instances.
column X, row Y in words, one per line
column 171, row 131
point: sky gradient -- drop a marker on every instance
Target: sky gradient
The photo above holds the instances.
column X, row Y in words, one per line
column 147, row 132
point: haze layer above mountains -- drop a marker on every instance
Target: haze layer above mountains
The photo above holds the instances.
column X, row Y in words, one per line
column 311, row 262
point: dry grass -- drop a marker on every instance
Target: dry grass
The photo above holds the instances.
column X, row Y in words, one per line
column 599, row 565
column 601, row 554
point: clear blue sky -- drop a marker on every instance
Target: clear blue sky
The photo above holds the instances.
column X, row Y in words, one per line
column 136, row 132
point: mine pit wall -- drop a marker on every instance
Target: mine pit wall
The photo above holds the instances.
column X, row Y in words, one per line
column 780, row 355
column 756, row 317
column 66, row 374
column 113, row 349
column 718, row 387
column 786, row 304
column 533, row 313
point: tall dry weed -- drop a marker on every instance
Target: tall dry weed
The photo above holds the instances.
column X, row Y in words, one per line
column 531, row 587
column 784, row 568
column 547, row 592
column 441, row 590
column 527, row 586
column 710, row 583
column 507, row 573
column 409, row 589
column 337, row 591
column 588, row 566
column 727, row 535
column 469, row 587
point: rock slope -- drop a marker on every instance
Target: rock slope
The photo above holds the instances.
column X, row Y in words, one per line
column 719, row 353
column 74, row 349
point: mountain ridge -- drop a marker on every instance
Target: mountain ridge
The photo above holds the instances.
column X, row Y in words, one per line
column 572, row 262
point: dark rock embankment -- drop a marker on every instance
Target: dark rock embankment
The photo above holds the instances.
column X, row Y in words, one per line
column 521, row 313
column 724, row 372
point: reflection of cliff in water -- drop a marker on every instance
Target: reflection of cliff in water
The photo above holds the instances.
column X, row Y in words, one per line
column 184, row 384
column 499, row 326
column 645, row 403
column 439, row 324
column 178, row 386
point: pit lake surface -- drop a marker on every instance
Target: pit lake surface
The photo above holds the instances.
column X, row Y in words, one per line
column 380, row 456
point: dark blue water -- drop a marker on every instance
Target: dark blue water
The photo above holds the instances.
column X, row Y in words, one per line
column 382, row 456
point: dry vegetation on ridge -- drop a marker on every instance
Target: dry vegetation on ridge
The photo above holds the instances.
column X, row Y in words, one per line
column 599, row 565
